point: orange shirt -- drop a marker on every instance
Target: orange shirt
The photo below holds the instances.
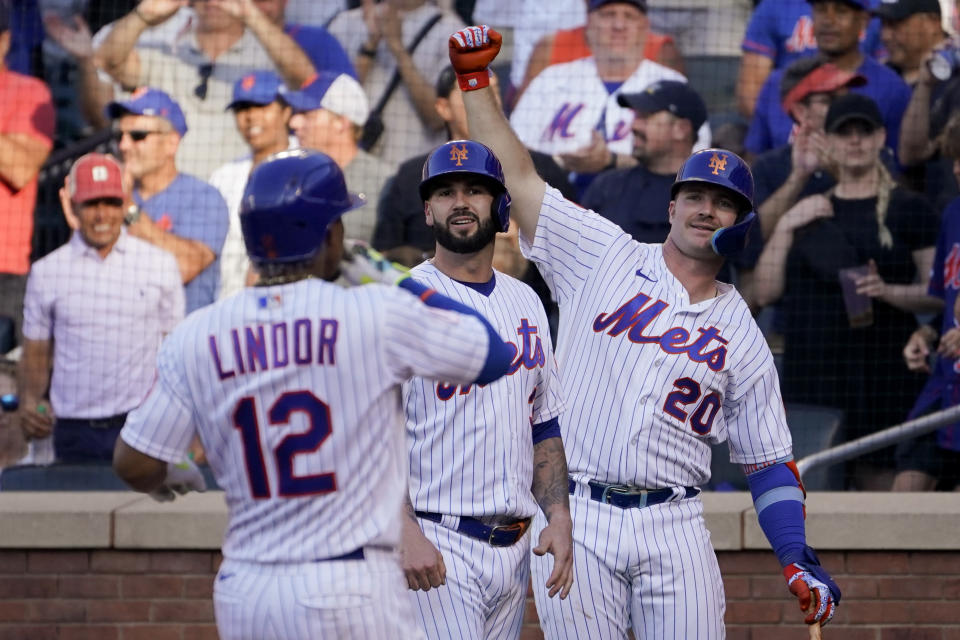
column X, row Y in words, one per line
column 25, row 107
column 571, row 44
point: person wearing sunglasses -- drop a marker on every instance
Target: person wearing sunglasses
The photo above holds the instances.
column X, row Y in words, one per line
column 222, row 41
column 171, row 209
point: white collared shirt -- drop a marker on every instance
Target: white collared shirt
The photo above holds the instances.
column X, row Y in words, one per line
column 106, row 317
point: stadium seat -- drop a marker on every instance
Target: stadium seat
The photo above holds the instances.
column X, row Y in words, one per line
column 70, row 477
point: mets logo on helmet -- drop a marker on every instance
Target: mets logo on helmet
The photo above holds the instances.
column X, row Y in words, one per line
column 718, row 163
column 458, row 155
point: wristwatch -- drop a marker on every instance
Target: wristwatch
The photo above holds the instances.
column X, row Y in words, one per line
column 132, row 215
column 367, row 53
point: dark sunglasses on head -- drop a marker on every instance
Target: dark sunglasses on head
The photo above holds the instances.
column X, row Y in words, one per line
column 137, row 135
column 205, row 71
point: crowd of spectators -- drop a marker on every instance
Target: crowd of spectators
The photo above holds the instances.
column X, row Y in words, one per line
column 847, row 111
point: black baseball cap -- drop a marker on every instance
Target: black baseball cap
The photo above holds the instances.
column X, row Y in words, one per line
column 668, row 95
column 639, row 4
column 852, row 106
column 863, row 5
column 901, row 9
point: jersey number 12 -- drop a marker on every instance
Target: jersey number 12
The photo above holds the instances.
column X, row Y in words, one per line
column 290, row 484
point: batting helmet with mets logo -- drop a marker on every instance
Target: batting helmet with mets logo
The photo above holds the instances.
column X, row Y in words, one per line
column 728, row 170
column 469, row 158
column 290, row 201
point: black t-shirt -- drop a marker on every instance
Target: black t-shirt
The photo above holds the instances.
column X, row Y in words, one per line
column 635, row 199
column 826, row 362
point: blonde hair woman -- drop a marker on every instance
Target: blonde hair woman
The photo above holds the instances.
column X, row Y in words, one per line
column 866, row 219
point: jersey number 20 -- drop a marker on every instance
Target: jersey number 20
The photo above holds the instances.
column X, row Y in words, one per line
column 686, row 392
column 290, row 485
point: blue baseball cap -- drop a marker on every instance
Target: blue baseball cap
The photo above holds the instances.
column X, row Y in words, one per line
column 147, row 101
column 674, row 96
column 338, row 93
column 256, row 87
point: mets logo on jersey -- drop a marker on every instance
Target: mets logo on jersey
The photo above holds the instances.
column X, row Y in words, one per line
column 636, row 314
column 458, row 155
column 528, row 355
column 718, row 162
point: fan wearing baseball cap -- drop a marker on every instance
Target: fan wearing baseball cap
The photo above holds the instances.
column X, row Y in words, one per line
column 104, row 287
column 865, row 220
column 911, row 30
column 184, row 215
column 328, row 116
column 667, row 115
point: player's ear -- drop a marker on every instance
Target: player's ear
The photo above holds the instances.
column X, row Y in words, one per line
column 670, row 209
column 427, row 214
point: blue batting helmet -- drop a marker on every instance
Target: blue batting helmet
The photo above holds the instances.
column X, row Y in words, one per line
column 472, row 158
column 728, row 170
column 290, row 201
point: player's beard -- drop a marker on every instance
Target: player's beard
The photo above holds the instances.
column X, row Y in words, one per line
column 484, row 235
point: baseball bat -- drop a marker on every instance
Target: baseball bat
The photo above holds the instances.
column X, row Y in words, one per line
column 814, row 631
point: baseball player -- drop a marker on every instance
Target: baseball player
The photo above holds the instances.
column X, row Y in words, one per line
column 659, row 361
column 294, row 389
column 482, row 458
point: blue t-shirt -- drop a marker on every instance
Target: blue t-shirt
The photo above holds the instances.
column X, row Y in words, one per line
column 771, row 125
column 783, row 31
column 324, row 51
column 944, row 384
column 191, row 208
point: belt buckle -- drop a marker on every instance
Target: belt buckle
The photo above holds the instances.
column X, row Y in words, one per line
column 520, row 527
column 622, row 490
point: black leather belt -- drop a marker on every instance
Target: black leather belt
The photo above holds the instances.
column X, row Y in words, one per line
column 95, row 423
column 628, row 497
column 502, row 535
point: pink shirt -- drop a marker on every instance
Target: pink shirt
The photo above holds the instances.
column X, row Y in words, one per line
column 106, row 317
column 25, row 107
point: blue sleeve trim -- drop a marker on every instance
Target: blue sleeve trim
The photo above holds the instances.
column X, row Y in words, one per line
column 777, row 495
column 771, row 477
column 544, row 430
column 499, row 355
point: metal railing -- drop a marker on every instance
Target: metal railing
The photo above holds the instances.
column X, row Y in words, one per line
column 875, row 441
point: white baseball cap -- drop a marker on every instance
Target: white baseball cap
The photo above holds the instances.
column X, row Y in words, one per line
column 339, row 94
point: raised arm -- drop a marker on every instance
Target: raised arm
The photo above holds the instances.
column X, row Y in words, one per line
column 471, row 52
column 117, row 52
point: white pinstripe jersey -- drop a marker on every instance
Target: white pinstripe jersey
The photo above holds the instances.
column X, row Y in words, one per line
column 650, row 379
column 295, row 392
column 471, row 448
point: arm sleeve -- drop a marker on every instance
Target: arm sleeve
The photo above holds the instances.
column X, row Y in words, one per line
column 32, row 113
column 759, row 136
column 778, row 498
column 457, row 345
column 570, row 241
column 760, row 37
column 174, row 300
column 211, row 227
column 547, row 399
column 162, row 427
column 37, row 307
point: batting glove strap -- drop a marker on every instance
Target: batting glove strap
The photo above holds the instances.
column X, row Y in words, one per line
column 816, row 592
column 472, row 81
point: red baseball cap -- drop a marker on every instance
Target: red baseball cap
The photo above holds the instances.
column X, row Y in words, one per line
column 95, row 176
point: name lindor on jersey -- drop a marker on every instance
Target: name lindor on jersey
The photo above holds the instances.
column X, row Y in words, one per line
column 303, row 341
column 637, row 314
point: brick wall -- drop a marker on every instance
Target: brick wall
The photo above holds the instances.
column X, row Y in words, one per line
column 166, row 595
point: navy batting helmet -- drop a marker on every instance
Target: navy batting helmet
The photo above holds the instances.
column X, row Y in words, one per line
column 290, row 201
column 471, row 158
column 728, row 170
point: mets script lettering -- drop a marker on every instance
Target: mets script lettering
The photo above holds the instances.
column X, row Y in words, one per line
column 638, row 313
column 529, row 356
